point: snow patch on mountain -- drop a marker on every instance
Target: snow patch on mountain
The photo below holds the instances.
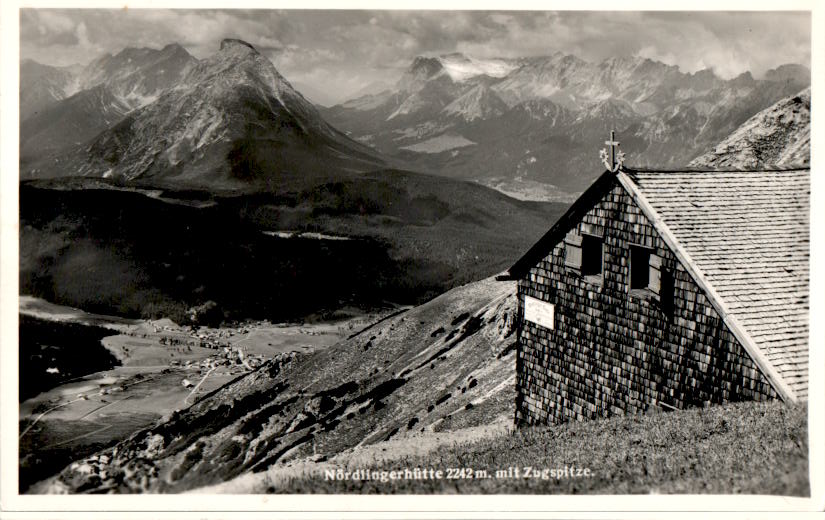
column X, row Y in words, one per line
column 137, row 77
column 410, row 105
column 439, row 144
column 461, row 68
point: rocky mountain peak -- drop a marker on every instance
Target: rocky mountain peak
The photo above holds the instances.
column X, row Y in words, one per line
column 704, row 74
column 422, row 70
column 129, row 58
column 745, row 78
column 236, row 44
column 239, row 63
column 624, row 62
column 133, row 60
column 174, row 49
column 425, row 65
column 211, row 122
column 790, row 72
column 480, row 102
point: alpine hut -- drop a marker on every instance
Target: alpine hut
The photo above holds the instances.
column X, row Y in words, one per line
column 666, row 289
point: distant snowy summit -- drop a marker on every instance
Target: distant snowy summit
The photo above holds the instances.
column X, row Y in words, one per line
column 542, row 119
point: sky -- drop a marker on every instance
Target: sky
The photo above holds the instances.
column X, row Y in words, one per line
column 334, row 54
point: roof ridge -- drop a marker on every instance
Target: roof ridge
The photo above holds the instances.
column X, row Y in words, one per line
column 641, row 169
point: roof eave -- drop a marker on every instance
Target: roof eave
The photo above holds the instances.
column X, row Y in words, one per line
column 540, row 249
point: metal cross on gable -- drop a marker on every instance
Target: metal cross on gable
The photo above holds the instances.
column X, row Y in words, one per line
column 613, row 159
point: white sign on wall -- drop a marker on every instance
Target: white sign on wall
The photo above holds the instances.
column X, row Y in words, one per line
column 539, row 312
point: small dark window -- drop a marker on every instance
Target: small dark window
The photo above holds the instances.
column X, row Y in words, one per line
column 592, row 257
column 640, row 267
column 666, row 293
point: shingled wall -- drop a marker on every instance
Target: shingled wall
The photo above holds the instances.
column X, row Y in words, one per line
column 612, row 352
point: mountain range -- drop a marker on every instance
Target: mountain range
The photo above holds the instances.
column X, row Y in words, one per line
column 530, row 127
column 64, row 107
column 230, row 121
column 542, row 119
column 135, row 76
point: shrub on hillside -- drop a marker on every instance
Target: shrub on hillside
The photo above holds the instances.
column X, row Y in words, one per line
column 208, row 314
column 174, row 311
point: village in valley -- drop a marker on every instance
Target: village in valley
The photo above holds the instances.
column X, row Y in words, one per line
column 233, row 282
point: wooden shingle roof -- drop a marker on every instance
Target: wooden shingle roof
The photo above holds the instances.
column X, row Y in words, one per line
column 744, row 236
column 747, row 233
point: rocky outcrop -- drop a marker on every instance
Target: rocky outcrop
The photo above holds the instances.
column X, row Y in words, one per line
column 777, row 137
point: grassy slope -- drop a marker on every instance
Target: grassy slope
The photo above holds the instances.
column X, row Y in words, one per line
column 753, row 448
column 444, row 365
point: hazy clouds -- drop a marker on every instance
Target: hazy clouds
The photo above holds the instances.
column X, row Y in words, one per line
column 339, row 52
